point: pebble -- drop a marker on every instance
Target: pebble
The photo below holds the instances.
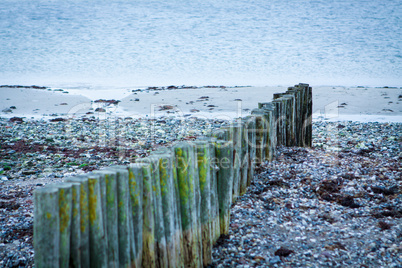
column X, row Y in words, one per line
column 307, row 212
column 294, row 202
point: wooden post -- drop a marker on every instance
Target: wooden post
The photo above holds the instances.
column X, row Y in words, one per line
column 213, row 168
column 309, row 115
column 204, row 173
column 237, row 131
column 136, row 186
column 244, row 158
column 269, row 111
column 224, row 155
column 82, row 249
column 187, row 180
column 169, row 206
column 97, row 216
column 287, row 102
column 261, row 134
column 160, row 239
column 46, row 227
column 65, row 212
column 124, row 223
column 296, row 92
column 250, row 122
column 109, row 197
column 281, row 118
column 75, row 239
column 149, row 250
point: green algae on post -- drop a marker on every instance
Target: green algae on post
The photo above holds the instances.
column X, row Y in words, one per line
column 224, row 155
column 136, row 183
column 149, row 250
column 168, row 191
column 46, row 227
column 186, row 175
column 124, row 223
column 161, row 257
column 109, row 190
column 83, row 247
column 204, row 163
column 97, row 226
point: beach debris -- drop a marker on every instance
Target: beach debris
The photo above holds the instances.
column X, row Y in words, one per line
column 385, row 190
column 166, row 107
column 100, row 110
column 58, row 119
column 107, row 102
column 384, row 225
column 283, row 252
column 194, row 110
column 15, row 119
column 63, row 103
column 7, row 110
column 19, row 86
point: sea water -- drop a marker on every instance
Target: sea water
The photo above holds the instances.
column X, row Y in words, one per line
column 128, row 43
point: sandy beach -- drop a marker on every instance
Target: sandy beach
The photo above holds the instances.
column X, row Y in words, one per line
column 365, row 104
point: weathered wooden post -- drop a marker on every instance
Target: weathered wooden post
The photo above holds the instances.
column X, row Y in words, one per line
column 97, row 227
column 109, row 198
column 169, row 206
column 46, row 227
column 75, row 238
column 244, row 158
column 269, row 111
column 261, row 134
column 224, row 155
column 160, row 239
column 309, row 115
column 149, row 249
column 213, row 168
column 279, row 103
column 136, row 186
column 236, row 133
column 65, row 212
column 204, row 173
column 187, row 180
column 250, row 122
column 296, row 92
column 81, row 251
column 124, row 223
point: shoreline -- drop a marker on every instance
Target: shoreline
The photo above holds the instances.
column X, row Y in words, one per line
column 330, row 103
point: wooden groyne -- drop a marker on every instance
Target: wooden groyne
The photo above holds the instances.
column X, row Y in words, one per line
column 168, row 209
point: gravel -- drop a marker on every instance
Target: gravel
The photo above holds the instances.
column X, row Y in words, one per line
column 337, row 204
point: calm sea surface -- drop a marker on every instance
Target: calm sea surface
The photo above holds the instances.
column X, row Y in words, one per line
column 90, row 43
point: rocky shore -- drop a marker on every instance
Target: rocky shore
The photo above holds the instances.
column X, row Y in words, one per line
column 337, row 204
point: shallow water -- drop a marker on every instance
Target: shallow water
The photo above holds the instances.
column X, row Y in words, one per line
column 121, row 43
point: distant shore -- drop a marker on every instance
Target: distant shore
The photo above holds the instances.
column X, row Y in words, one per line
column 365, row 104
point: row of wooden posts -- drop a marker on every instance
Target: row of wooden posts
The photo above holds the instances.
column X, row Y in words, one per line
column 168, row 209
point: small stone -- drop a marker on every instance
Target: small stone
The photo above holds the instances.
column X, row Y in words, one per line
column 275, row 260
column 100, row 110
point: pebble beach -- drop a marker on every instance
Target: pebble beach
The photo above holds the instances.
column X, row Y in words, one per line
column 336, row 204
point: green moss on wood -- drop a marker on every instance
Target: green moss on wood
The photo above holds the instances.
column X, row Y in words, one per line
column 93, row 199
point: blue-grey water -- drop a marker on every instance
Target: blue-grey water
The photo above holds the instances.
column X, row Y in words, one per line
column 230, row 42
